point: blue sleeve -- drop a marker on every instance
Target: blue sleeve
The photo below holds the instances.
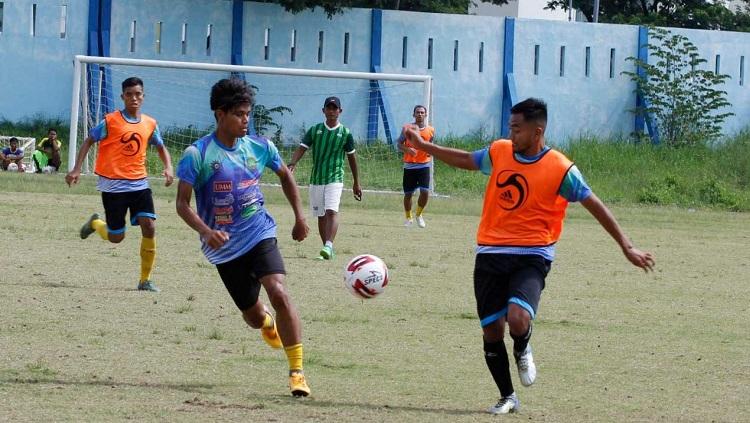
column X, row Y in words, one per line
column 156, row 139
column 273, row 158
column 188, row 169
column 482, row 160
column 99, row 132
column 574, row 188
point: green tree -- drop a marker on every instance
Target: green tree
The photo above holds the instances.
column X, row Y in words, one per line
column 679, row 94
column 332, row 7
column 698, row 14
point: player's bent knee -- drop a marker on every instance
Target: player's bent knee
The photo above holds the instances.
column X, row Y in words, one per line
column 116, row 238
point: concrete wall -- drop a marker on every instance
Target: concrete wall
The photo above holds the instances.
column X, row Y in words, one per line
column 36, row 73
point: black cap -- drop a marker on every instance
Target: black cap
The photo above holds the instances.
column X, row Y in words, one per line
column 332, row 100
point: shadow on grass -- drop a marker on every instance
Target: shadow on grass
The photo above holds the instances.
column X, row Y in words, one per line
column 65, row 285
column 185, row 387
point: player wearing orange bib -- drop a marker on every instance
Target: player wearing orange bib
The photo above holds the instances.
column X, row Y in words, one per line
column 123, row 138
column 527, row 193
column 417, row 166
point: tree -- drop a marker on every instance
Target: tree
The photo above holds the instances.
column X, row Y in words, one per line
column 332, row 7
column 697, row 14
column 680, row 95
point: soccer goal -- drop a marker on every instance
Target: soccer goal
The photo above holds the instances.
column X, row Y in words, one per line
column 287, row 102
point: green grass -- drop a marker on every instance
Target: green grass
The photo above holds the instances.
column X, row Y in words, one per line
column 79, row 343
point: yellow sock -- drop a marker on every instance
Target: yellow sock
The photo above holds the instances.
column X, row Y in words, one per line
column 408, row 214
column 420, row 209
column 101, row 228
column 294, row 356
column 267, row 322
column 148, row 255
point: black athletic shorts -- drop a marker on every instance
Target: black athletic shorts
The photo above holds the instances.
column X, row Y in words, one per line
column 501, row 279
column 242, row 275
column 116, row 205
column 416, row 179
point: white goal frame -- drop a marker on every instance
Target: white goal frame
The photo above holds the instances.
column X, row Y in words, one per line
column 79, row 80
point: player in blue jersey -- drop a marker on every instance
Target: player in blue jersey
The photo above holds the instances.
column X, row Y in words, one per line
column 237, row 233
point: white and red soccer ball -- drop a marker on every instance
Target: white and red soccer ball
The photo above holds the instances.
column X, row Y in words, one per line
column 366, row 276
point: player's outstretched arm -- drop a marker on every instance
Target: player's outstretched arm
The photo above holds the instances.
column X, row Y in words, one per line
column 214, row 239
column 451, row 156
column 596, row 207
column 289, row 186
column 166, row 158
column 296, row 156
column 72, row 177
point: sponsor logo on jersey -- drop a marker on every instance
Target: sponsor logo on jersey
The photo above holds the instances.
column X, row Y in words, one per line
column 246, row 183
column 223, row 186
column 514, row 190
column 249, row 210
column 223, row 219
column 223, row 210
column 224, row 201
column 131, row 143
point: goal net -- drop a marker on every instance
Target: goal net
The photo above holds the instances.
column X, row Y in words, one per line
column 287, row 102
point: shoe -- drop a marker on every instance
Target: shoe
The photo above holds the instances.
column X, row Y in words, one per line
column 526, row 366
column 86, row 229
column 420, row 222
column 327, row 252
column 271, row 335
column 408, row 223
column 298, row 385
column 148, row 286
column 506, row 405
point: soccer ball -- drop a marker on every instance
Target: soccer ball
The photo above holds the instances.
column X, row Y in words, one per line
column 12, row 167
column 48, row 169
column 366, row 276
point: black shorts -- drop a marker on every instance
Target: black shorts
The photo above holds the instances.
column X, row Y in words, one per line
column 501, row 279
column 242, row 275
column 416, row 179
column 116, row 204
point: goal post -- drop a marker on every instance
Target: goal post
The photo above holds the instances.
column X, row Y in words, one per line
column 177, row 96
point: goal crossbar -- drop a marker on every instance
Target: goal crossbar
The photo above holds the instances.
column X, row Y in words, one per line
column 81, row 59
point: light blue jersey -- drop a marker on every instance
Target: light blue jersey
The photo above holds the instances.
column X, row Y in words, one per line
column 98, row 133
column 573, row 189
column 227, row 192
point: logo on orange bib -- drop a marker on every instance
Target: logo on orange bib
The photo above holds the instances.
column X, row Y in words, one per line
column 513, row 190
column 132, row 143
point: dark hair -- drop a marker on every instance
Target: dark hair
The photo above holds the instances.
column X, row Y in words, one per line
column 532, row 109
column 51, row 129
column 131, row 82
column 230, row 93
column 418, row 106
column 13, row 139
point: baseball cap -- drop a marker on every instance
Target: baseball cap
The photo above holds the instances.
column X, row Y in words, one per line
column 332, row 100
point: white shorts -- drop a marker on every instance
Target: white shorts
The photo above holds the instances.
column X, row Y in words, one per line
column 325, row 197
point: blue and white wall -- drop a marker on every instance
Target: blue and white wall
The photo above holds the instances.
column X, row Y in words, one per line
column 465, row 61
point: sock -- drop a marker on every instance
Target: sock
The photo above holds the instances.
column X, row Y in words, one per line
column 267, row 322
column 420, row 209
column 497, row 361
column 148, row 255
column 520, row 342
column 329, row 244
column 294, row 355
column 101, row 228
column 408, row 214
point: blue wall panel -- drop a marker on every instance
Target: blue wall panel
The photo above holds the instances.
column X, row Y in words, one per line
column 578, row 105
column 36, row 72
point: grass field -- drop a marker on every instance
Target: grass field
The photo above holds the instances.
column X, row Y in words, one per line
column 612, row 344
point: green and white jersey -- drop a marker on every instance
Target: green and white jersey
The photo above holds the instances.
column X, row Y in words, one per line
column 328, row 147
